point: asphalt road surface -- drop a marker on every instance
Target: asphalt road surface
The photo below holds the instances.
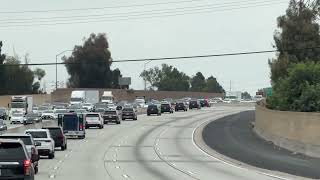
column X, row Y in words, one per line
column 154, row 147
column 232, row 136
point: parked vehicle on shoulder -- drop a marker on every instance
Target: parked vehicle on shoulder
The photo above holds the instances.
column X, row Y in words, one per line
column 15, row 161
column 129, row 113
column 30, row 147
column 43, row 136
column 112, row 116
column 58, row 136
column 153, row 109
column 94, row 120
column 194, row 104
column 166, row 107
column 181, row 106
column 73, row 125
column 17, row 117
column 31, row 118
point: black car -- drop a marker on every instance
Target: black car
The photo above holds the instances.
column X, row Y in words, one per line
column 112, row 116
column 30, row 145
column 58, row 136
column 129, row 113
column 153, row 109
column 15, row 161
column 180, row 106
column 194, row 104
column 166, row 107
column 31, row 118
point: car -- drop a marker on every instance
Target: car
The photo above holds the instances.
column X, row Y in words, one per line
column 60, row 111
column 30, row 146
column 3, row 126
column 153, row 109
column 100, row 111
column 111, row 115
column 88, row 106
column 48, row 114
column 17, row 117
column 41, row 109
column 194, row 104
column 3, row 113
column 94, row 120
column 35, row 109
column 80, row 111
column 166, row 107
column 129, row 113
column 47, row 143
column 59, row 107
column 31, row 118
column 58, row 136
column 204, row 103
column 181, row 106
column 15, row 161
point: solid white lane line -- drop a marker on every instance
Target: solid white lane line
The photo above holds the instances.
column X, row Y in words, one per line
column 190, row 172
column 117, row 167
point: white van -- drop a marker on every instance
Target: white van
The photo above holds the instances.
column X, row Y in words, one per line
column 94, row 120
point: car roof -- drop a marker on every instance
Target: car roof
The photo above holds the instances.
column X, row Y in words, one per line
column 16, row 134
column 36, row 130
column 11, row 141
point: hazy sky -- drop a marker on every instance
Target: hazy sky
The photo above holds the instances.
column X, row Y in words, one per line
column 224, row 27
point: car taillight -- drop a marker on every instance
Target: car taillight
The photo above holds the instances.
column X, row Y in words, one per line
column 81, row 127
column 60, row 136
column 26, row 167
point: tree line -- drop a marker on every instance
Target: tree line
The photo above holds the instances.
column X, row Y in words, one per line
column 295, row 72
column 169, row 78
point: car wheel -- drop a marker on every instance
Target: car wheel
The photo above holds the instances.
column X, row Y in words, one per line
column 123, row 119
column 63, row 148
column 36, row 169
column 51, row 155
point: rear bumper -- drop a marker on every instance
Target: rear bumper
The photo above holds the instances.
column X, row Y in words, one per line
column 44, row 152
column 20, row 177
column 128, row 116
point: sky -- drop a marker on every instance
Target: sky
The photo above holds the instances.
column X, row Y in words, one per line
column 149, row 29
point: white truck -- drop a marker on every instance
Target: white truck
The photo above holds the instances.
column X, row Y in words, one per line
column 107, row 97
column 77, row 97
column 92, row 96
column 21, row 104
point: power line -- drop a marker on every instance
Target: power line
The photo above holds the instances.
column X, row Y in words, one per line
column 168, row 58
column 131, row 17
column 154, row 11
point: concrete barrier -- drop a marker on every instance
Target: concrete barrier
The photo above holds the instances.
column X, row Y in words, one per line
column 295, row 131
column 38, row 99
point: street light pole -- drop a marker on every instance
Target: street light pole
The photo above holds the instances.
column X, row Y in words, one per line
column 144, row 69
column 57, row 65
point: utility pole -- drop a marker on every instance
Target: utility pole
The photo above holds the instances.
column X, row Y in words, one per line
column 230, row 86
column 144, row 69
column 57, row 65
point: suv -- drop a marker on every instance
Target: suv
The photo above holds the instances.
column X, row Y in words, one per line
column 166, row 107
column 57, row 135
column 194, row 104
column 15, row 161
column 94, row 120
column 129, row 113
column 180, row 106
column 111, row 116
column 153, row 109
column 30, row 147
column 47, row 143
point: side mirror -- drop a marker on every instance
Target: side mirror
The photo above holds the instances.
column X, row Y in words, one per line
column 37, row 143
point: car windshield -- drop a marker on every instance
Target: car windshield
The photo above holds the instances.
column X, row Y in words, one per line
column 37, row 134
column 110, row 112
column 11, row 151
column 32, row 115
column 48, row 111
column 17, row 115
column 18, row 105
column 128, row 109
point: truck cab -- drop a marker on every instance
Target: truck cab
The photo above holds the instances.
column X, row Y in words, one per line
column 107, row 97
column 73, row 124
column 77, row 97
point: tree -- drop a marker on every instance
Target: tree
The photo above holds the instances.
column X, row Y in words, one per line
column 213, row 86
column 89, row 64
column 167, row 78
column 2, row 69
column 198, row 82
column 299, row 91
column 297, row 37
column 245, row 95
column 39, row 73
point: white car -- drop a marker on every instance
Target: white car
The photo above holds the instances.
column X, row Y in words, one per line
column 87, row 106
column 46, row 148
column 17, row 117
column 48, row 114
column 94, row 120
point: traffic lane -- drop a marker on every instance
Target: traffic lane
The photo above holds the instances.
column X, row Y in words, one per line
column 86, row 161
column 232, row 136
column 153, row 152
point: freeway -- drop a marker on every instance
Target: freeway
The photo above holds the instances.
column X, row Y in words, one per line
column 154, row 147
